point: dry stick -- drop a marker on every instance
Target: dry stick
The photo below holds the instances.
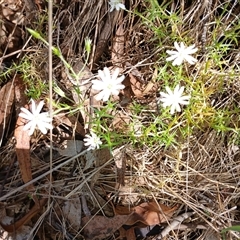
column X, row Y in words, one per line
column 50, row 79
column 175, row 223
column 15, row 52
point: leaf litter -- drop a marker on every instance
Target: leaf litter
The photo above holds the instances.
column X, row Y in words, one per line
column 133, row 176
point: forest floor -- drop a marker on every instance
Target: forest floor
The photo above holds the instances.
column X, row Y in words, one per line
column 158, row 174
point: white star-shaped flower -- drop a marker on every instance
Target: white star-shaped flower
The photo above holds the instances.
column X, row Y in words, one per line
column 36, row 119
column 116, row 4
column 92, row 141
column 174, row 98
column 108, row 85
column 182, row 53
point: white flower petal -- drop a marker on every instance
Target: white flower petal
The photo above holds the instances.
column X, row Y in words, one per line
column 107, row 74
column 44, row 125
column 42, row 129
column 33, row 106
column 92, row 141
column 172, row 109
column 177, row 46
column 97, row 85
column 36, row 119
column 101, row 74
column 190, row 59
column 122, row 6
column 169, row 91
column 166, row 104
column 185, row 98
column 183, row 102
column 178, row 61
column 108, row 85
column 115, row 92
column 120, row 79
column 87, row 142
column 182, row 46
column 26, row 114
column 163, row 94
column 183, row 53
column 115, row 74
column 106, row 96
column 171, row 58
column 171, row 52
column 174, row 98
column 45, row 119
column 30, row 127
column 191, row 51
column 178, row 90
column 39, row 107
column 177, row 107
column 116, row 4
column 99, row 96
column 103, row 95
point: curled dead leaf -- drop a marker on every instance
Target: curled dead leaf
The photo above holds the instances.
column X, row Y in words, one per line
column 149, row 213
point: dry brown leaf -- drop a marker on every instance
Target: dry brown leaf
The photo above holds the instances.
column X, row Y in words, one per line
column 100, row 227
column 132, row 88
column 130, row 234
column 152, row 85
column 6, row 102
column 34, row 210
column 120, row 121
column 148, row 88
column 136, row 86
column 72, row 212
column 71, row 122
column 149, row 213
column 134, row 71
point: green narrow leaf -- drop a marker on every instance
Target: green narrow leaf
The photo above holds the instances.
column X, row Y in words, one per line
column 233, row 228
column 34, row 33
